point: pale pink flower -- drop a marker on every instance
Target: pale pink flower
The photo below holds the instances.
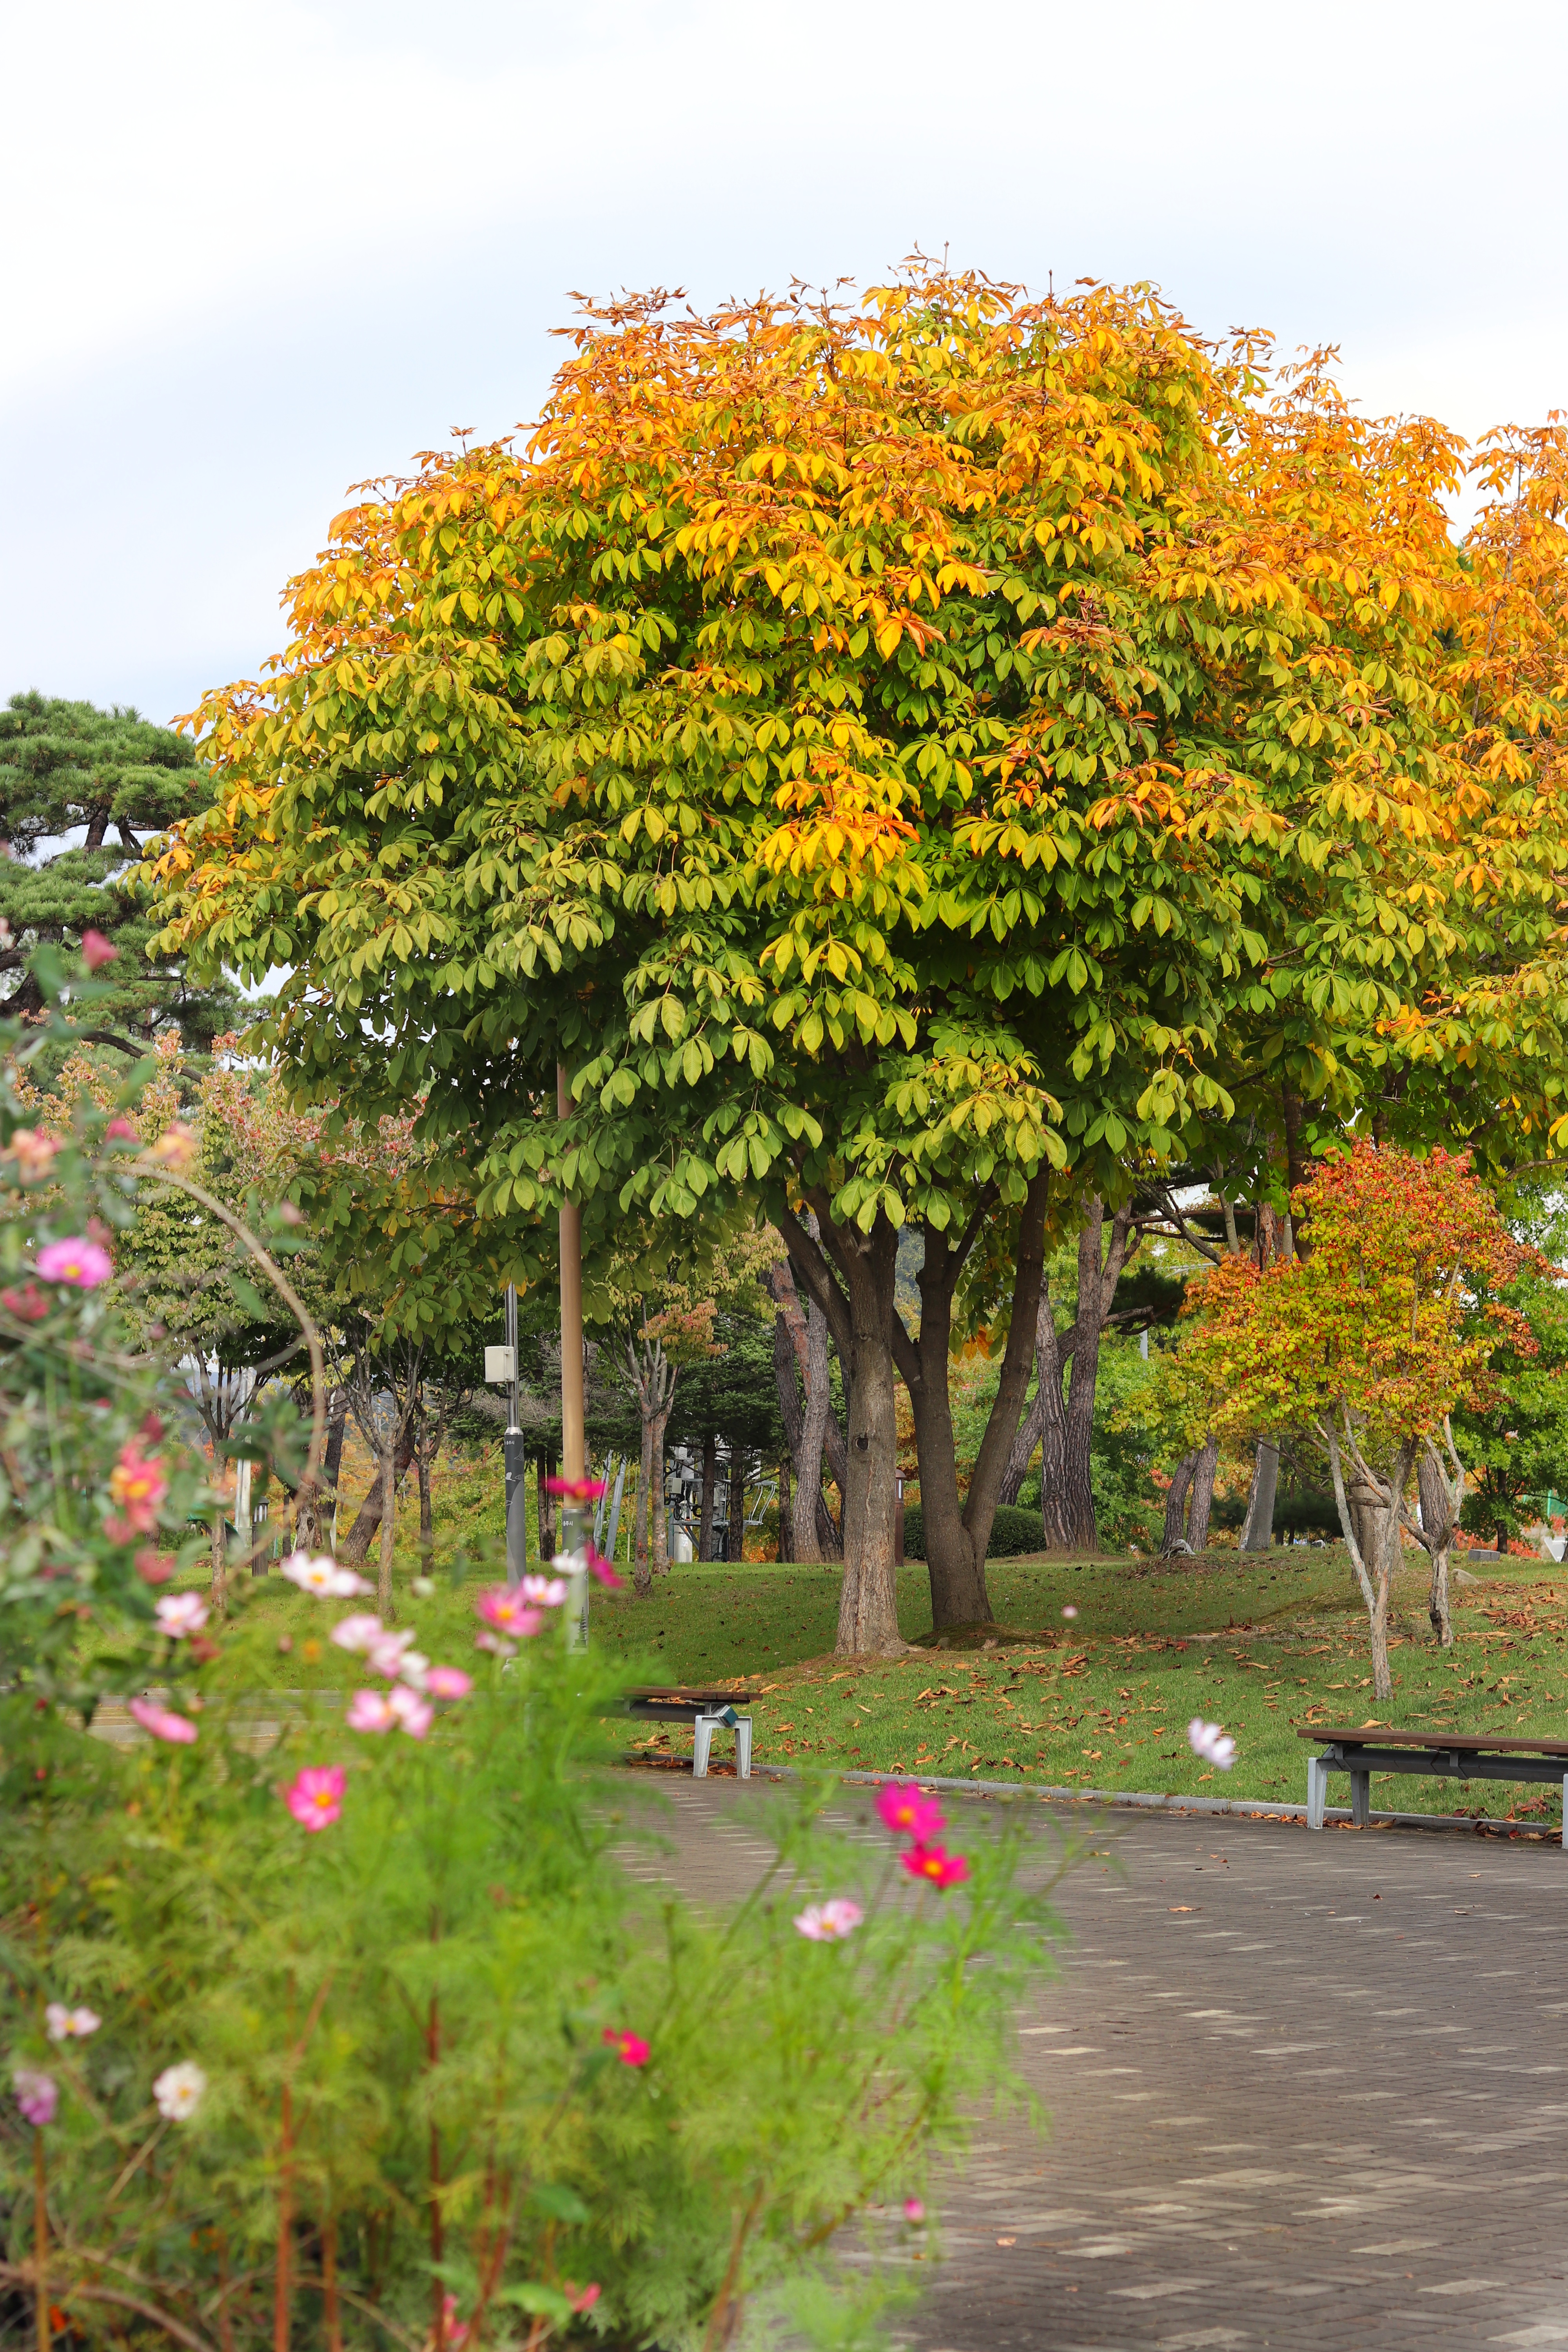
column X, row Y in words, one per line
column 82, row 1262
column 909, row 1812
column 63, row 2024
column 37, row 2095
column 162, row 1722
column 498, row 1645
column 370, row 1711
column 414, row 1713
column 180, row 2090
column 456, row 2331
column 356, row 1632
column 322, row 1575
column 1214, row 1745
column 386, row 1652
column 315, row 1795
column 138, row 1485
column 1069, row 1611
column 34, row 1152
column 914, row 2211
column 583, row 2298
column 511, row 1612
column 448, row 1682
column 120, row 1130
column 414, row 1668
column 545, row 1591
column 96, row 949
column 830, row 1922
column 179, row 1613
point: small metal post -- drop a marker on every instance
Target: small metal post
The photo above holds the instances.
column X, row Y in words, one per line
column 1361, row 1799
column 1317, row 1791
column 514, row 1450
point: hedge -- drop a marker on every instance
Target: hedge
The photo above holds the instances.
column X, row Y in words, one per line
column 1012, row 1531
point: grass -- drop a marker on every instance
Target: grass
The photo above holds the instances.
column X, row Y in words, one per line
column 1264, row 1645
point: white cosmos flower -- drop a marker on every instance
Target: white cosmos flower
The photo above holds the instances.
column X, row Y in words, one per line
column 322, row 1575
column 361, row 1632
column 179, row 2090
column 1214, row 1745
column 63, row 2024
column 179, row 1613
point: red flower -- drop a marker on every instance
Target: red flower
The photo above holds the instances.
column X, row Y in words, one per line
column 631, row 2049
column 934, row 1863
column 28, row 1305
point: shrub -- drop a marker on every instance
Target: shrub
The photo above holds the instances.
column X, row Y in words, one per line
column 1012, row 1531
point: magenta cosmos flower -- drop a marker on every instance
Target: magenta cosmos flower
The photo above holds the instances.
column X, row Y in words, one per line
column 80, row 1261
column 909, row 1813
column 935, row 1865
column 629, row 2048
column 162, row 1722
column 576, row 1490
column 315, row 1795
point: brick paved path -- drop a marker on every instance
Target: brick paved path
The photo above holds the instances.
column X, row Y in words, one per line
column 1308, row 2091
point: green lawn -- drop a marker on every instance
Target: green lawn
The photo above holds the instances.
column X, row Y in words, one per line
column 1104, row 1700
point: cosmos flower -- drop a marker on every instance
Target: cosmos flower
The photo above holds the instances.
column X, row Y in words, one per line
column 830, row 1922
column 935, row 1863
column 162, row 1722
column 448, row 1682
column 63, row 2024
column 359, row 1632
column 1214, row 1745
column 322, row 1575
column 83, row 1264
column 179, row 1613
column 909, row 1813
column 630, row 2048
column 37, row 2095
column 315, row 1795
column 96, row 949
column 179, row 2091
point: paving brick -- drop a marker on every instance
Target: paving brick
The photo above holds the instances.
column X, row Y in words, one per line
column 1309, row 2091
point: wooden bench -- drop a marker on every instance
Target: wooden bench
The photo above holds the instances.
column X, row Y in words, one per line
column 1452, row 1754
column 707, row 1711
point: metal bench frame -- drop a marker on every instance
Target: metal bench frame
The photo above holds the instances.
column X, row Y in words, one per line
column 1348, row 1751
column 707, row 1712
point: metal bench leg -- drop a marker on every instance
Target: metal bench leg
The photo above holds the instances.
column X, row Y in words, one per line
column 743, row 1749
column 701, row 1741
column 1317, row 1791
column 1360, row 1799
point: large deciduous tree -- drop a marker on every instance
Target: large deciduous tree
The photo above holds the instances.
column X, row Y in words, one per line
column 902, row 760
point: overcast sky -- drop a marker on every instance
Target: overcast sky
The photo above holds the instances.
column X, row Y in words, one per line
column 256, row 250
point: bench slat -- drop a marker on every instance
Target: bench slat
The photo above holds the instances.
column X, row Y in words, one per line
column 1464, row 1743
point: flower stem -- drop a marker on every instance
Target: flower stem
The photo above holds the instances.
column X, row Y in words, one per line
column 41, row 2238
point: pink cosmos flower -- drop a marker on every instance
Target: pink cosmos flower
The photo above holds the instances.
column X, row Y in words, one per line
column 34, row 1152
column 370, row 1711
column 137, row 1484
column 96, row 949
column 315, row 1795
column 508, row 1611
column 179, row 1613
column 630, row 2048
column 1214, row 1745
column 914, row 2211
column 934, row 1863
column 82, row 1262
column 456, row 2331
column 576, row 1490
column 154, row 1567
column 387, row 1651
column 548, row 1591
column 599, row 1567
column 448, row 1682
column 909, row 1812
column 356, row 1632
column 120, row 1130
column 322, row 1575
column 414, row 1713
column 1069, row 1611
column 162, row 1722
column 63, row 2024
column 830, row 1922
column 583, row 2298
column 37, row 2095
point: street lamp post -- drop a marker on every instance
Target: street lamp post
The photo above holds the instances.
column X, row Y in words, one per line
column 514, row 1449
column 574, row 1524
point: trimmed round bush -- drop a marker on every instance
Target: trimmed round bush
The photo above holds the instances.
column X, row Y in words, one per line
column 1013, row 1530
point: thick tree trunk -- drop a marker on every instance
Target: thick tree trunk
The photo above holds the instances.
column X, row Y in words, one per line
column 1025, row 1444
column 356, row 1543
column 1203, row 1495
column 1067, row 1489
column 1257, row 1527
column 735, row 1546
column 1175, row 1529
column 800, row 1343
column 785, row 1519
column 957, row 1536
column 388, row 1532
column 660, row 1522
column 710, row 1480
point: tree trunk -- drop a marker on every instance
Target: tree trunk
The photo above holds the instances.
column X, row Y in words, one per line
column 1175, row 1527
column 426, row 1513
column 800, row 1343
column 710, row 1480
column 642, row 1564
column 388, row 1532
column 735, row 1547
column 660, row 1527
column 1257, row 1527
column 1067, row 1489
column 1369, row 1515
column 1203, row 1495
column 546, row 1510
column 333, row 1456
column 356, row 1544
column 220, row 1560
column 786, row 1515
column 957, row 1536
column 1047, row 1380
column 1442, row 1498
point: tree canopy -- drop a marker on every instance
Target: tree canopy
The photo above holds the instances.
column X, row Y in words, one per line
column 918, row 760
